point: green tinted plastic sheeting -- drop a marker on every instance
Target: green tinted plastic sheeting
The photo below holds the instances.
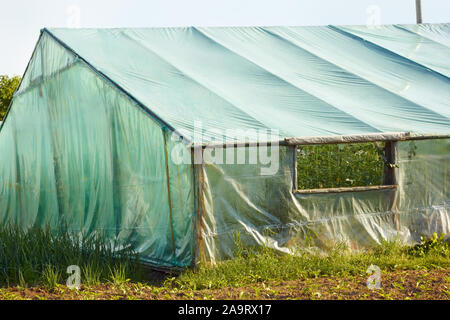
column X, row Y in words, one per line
column 407, row 43
column 89, row 140
column 235, row 200
column 437, row 32
column 49, row 58
column 302, row 81
column 76, row 152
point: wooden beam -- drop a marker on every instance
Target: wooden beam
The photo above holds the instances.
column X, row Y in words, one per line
column 169, row 197
column 358, row 138
column 390, row 169
column 345, row 189
column 294, row 173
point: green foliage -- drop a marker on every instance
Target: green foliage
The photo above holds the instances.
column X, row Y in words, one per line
column 7, row 87
column 51, row 276
column 118, row 275
column 435, row 244
column 339, row 165
column 91, row 274
column 40, row 256
column 262, row 264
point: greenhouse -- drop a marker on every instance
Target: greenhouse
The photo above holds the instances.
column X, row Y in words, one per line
column 173, row 141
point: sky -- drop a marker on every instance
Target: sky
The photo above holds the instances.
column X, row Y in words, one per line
column 21, row 20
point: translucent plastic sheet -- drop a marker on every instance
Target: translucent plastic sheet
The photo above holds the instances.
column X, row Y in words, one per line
column 424, row 193
column 88, row 142
column 265, row 211
column 76, row 152
column 302, row 81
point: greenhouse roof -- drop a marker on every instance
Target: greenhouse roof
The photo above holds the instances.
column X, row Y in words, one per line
column 302, row 81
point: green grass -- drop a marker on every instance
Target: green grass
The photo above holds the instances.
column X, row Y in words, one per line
column 264, row 264
column 41, row 257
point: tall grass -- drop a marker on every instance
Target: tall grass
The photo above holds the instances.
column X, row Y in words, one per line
column 39, row 256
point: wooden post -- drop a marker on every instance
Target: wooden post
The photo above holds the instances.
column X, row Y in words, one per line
column 390, row 170
column 418, row 12
column 391, row 176
column 201, row 210
column 169, row 197
column 294, row 174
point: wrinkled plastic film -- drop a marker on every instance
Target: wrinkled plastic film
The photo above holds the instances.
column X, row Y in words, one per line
column 76, row 152
column 301, row 81
column 265, row 211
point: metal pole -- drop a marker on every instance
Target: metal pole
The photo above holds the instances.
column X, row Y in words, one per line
column 418, row 11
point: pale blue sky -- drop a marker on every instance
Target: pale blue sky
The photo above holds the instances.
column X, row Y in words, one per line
column 21, row 20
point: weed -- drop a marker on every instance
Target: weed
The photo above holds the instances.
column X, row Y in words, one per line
column 50, row 277
column 42, row 255
column 118, row 275
column 259, row 265
column 91, row 274
column 435, row 245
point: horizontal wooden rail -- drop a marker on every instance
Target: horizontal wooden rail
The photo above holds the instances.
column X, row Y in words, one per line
column 353, row 138
column 345, row 189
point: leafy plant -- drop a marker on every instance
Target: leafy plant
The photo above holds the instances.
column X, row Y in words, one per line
column 50, row 277
column 435, row 244
column 7, row 87
column 118, row 275
column 91, row 274
column 340, row 165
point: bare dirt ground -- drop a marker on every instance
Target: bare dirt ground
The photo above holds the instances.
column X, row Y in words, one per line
column 397, row 285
